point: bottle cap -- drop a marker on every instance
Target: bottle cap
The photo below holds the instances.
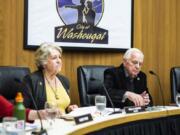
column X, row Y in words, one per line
column 19, row 97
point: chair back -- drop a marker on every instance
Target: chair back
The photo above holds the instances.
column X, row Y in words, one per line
column 8, row 86
column 175, row 82
column 90, row 79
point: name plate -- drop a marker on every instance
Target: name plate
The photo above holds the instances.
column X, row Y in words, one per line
column 41, row 132
column 135, row 109
column 83, row 118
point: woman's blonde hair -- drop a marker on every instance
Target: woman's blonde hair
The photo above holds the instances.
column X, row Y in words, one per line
column 43, row 52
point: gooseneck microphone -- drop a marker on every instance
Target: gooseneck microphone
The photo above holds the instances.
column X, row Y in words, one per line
column 42, row 130
column 160, row 88
column 107, row 94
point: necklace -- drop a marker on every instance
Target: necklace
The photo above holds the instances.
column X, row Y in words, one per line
column 54, row 90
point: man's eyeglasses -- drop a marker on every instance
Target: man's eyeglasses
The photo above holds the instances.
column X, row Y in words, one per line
column 134, row 62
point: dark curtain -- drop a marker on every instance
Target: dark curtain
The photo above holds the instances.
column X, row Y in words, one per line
column 160, row 126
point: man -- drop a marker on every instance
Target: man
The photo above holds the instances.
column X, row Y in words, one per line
column 90, row 14
column 80, row 9
column 126, row 84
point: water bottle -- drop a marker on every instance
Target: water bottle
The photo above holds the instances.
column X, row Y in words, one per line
column 20, row 112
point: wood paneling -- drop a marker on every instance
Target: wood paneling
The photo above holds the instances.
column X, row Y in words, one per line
column 156, row 32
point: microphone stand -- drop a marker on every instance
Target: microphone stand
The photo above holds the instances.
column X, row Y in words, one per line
column 159, row 83
column 42, row 130
column 108, row 96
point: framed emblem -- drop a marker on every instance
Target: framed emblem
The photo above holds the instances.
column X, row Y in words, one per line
column 79, row 24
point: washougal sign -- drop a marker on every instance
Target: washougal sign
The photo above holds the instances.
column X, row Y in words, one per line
column 79, row 24
column 80, row 19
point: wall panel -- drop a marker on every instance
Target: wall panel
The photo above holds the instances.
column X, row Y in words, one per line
column 156, row 32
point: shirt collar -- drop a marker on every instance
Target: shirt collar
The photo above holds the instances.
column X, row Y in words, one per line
column 127, row 75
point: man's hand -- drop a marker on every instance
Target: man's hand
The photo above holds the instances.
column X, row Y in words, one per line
column 137, row 99
column 145, row 96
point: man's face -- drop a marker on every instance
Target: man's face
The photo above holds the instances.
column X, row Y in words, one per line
column 134, row 64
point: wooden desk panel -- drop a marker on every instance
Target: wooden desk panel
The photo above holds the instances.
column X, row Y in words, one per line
column 119, row 119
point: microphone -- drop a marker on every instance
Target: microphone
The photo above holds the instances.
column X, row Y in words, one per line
column 160, row 88
column 42, row 130
column 108, row 96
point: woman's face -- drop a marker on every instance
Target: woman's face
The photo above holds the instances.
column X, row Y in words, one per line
column 54, row 62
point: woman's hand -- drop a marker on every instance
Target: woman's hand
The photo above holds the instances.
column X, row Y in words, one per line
column 43, row 114
column 33, row 114
column 71, row 108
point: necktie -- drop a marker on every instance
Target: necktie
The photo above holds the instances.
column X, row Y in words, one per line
column 130, row 84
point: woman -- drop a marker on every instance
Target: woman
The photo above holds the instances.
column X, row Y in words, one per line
column 46, row 84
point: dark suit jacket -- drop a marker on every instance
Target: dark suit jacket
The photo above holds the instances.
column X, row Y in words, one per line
column 115, row 81
column 35, row 84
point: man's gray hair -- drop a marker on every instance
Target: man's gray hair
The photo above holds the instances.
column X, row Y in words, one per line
column 130, row 51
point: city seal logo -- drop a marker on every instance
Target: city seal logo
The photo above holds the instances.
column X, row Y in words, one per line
column 80, row 18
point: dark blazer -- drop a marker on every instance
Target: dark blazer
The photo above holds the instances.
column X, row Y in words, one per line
column 35, row 84
column 115, row 81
